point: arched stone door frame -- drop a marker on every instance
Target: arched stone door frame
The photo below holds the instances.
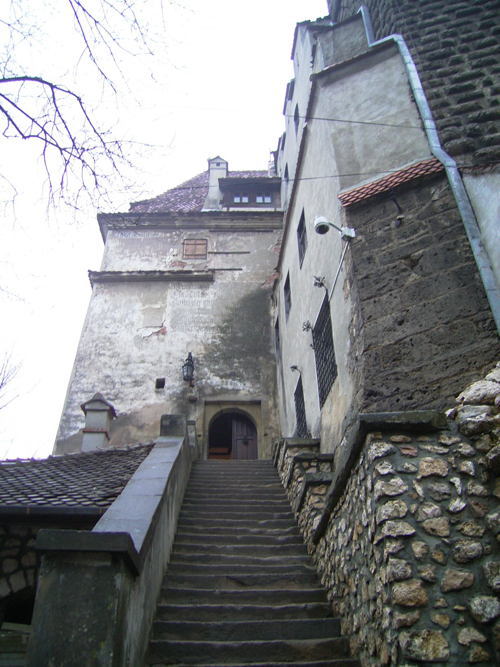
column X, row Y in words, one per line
column 250, row 409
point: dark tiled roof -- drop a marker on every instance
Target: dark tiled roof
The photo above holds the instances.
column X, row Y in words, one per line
column 188, row 197
column 87, row 480
column 392, row 180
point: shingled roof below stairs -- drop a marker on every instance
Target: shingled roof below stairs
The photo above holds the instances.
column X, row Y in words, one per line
column 188, row 197
column 85, row 483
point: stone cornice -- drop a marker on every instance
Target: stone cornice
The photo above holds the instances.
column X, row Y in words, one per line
column 231, row 221
column 149, row 276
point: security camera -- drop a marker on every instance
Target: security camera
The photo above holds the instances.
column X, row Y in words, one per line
column 321, row 225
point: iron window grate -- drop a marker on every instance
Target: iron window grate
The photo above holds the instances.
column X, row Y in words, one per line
column 324, row 352
column 300, row 411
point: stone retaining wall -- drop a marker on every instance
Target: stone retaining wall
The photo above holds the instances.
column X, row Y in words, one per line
column 408, row 553
column 18, row 561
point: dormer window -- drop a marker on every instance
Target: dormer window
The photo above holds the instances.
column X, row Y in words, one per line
column 240, row 199
column 263, row 199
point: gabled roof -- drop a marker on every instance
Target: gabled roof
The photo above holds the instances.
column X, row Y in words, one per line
column 188, row 197
column 390, row 181
column 85, row 483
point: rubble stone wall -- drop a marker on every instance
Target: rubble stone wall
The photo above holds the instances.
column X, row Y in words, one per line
column 18, row 559
column 409, row 555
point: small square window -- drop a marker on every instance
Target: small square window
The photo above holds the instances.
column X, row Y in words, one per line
column 194, row 249
column 240, row 199
column 263, row 199
column 160, row 383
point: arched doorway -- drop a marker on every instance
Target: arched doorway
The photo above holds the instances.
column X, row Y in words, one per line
column 232, row 435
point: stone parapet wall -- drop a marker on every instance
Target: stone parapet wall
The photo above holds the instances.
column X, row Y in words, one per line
column 409, row 552
column 18, row 560
column 454, row 44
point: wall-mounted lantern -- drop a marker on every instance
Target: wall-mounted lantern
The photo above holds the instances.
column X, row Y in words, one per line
column 188, row 370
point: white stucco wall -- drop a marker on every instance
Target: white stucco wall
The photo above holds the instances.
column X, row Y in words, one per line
column 372, row 89
column 138, row 331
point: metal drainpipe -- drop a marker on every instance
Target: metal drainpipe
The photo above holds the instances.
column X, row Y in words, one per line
column 455, row 180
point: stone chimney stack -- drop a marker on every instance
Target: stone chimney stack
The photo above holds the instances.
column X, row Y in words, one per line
column 98, row 416
column 217, row 168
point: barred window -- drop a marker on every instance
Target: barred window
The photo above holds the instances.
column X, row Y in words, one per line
column 194, row 249
column 302, row 237
column 300, row 411
column 324, row 353
column 287, row 296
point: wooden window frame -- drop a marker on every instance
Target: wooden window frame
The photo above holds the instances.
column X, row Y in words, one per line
column 199, row 248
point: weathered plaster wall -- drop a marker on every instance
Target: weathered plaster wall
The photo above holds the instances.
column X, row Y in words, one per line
column 409, row 550
column 137, row 331
column 336, row 156
column 455, row 46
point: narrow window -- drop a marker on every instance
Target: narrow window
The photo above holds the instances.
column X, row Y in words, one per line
column 288, row 296
column 300, row 411
column 194, row 249
column 277, row 340
column 296, row 118
column 324, row 353
column 302, row 237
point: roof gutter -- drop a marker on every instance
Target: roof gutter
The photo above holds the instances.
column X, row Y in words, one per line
column 454, row 178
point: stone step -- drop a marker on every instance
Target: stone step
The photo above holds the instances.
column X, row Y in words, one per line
column 242, row 581
column 222, row 653
column 221, row 515
column 341, row 662
column 240, row 531
column 200, row 492
column 281, row 503
column 240, row 612
column 274, row 550
column 234, row 559
column 235, row 593
column 316, row 628
column 234, row 524
column 192, row 539
column 180, row 567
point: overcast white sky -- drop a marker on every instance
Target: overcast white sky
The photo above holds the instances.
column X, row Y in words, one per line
column 215, row 85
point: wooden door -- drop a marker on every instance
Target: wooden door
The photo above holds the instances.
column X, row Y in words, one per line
column 244, row 445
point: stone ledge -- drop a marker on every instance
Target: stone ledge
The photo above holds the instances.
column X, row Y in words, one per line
column 149, row 276
column 304, row 457
column 413, row 421
column 311, row 479
column 53, row 539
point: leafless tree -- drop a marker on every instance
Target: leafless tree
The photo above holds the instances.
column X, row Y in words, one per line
column 47, row 112
column 8, row 372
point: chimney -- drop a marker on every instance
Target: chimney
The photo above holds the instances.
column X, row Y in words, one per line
column 217, row 168
column 98, row 416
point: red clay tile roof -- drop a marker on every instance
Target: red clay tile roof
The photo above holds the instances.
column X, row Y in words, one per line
column 392, row 180
column 90, row 480
column 188, row 197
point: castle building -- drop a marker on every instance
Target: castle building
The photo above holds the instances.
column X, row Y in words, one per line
column 323, row 313
column 187, row 274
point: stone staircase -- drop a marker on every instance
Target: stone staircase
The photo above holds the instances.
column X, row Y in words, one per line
column 240, row 588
